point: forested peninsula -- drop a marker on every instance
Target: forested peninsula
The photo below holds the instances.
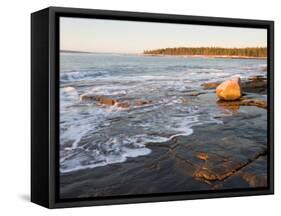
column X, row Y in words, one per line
column 255, row 52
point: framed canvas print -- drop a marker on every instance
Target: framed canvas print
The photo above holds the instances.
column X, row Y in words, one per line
column 138, row 107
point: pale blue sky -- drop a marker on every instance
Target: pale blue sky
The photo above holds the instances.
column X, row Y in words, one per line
column 97, row 35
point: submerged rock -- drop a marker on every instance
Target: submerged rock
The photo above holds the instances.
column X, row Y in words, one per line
column 104, row 100
column 87, row 97
column 107, row 101
column 254, row 102
column 194, row 94
column 229, row 90
column 101, row 99
column 123, row 104
column 133, row 104
column 142, row 102
column 211, row 85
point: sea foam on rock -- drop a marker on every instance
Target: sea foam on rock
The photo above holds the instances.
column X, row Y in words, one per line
column 105, row 100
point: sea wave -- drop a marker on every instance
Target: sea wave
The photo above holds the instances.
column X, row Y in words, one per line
column 82, row 147
column 68, row 76
column 114, row 150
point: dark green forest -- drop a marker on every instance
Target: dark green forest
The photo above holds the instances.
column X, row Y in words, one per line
column 247, row 52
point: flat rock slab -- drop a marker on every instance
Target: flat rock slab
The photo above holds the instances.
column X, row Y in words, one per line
column 231, row 154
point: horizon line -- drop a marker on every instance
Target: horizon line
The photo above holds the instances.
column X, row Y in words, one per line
column 114, row 52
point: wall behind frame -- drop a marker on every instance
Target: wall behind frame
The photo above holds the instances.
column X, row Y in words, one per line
column 15, row 106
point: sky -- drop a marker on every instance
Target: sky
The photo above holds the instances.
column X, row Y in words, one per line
column 98, row 35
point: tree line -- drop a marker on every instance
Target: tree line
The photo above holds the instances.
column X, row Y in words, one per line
column 249, row 51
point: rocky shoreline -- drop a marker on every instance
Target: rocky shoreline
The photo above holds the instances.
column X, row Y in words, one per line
column 254, row 84
column 229, row 155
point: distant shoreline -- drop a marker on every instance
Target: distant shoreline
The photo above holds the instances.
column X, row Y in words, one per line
column 88, row 52
column 165, row 55
column 207, row 56
column 74, row 51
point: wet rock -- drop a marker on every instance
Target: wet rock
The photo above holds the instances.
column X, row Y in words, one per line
column 106, row 101
column 254, row 102
column 123, row 104
column 175, row 163
column 207, row 172
column 255, row 174
column 211, row 85
column 194, row 94
column 101, row 99
column 257, row 78
column 235, row 105
column 87, row 97
column 214, row 168
column 202, row 156
column 254, row 180
column 255, row 85
column 252, row 175
column 136, row 103
column 206, row 175
column 220, row 168
column 230, row 89
column 142, row 102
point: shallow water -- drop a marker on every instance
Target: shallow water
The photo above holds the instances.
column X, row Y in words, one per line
column 92, row 135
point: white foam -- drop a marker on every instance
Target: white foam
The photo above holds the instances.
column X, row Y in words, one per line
column 118, row 149
column 115, row 150
column 71, row 76
column 69, row 96
column 187, row 133
column 108, row 90
column 73, row 130
column 69, row 91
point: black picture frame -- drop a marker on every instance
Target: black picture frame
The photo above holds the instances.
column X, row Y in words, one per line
column 45, row 101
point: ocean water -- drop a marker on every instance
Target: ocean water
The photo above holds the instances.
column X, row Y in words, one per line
column 92, row 135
